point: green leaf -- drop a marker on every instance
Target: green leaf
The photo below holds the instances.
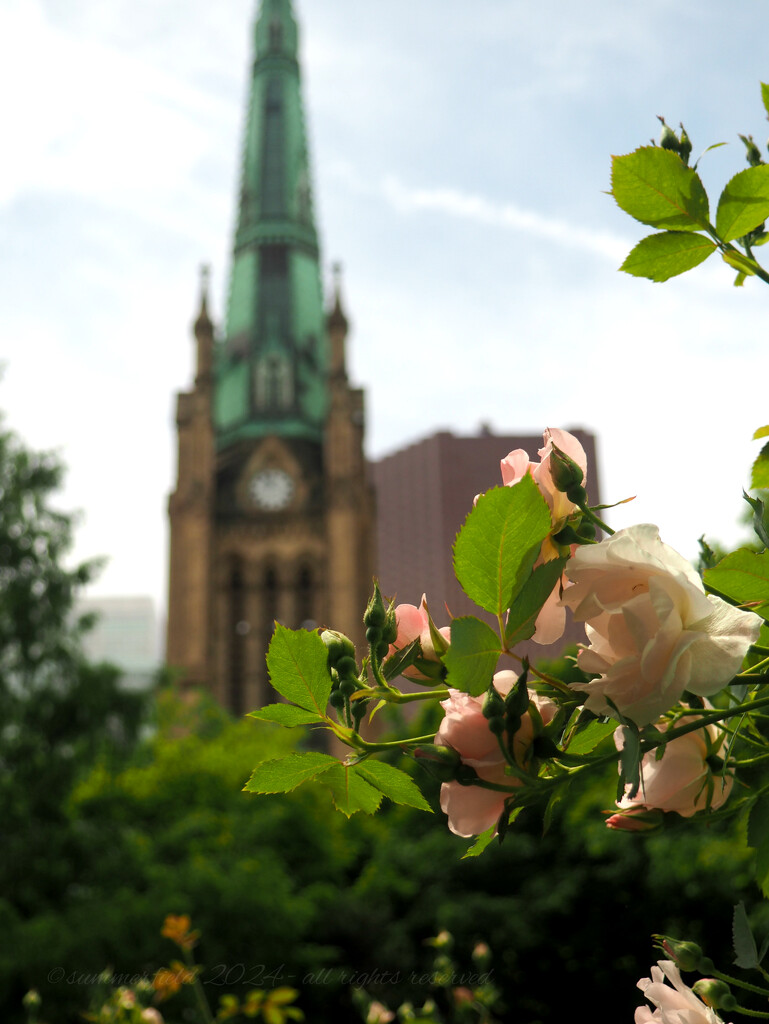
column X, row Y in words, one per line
column 587, row 739
column 630, row 763
column 744, row 203
column 765, row 96
column 667, row 254
column 286, row 773
column 745, row 951
column 395, row 784
column 761, row 432
column 522, row 617
column 759, row 477
column 653, row 186
column 743, row 577
column 472, row 656
column 480, row 843
column 350, row 790
column 400, row 660
column 760, row 518
column 758, row 838
column 285, row 714
column 499, row 543
column 298, row 665
column 557, row 798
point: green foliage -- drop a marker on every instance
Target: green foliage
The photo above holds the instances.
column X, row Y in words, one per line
column 655, row 186
column 742, row 576
column 499, row 543
column 522, row 617
column 667, row 254
column 473, row 655
column 298, row 664
column 357, row 787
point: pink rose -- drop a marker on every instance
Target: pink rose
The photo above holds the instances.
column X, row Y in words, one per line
column 676, row 1005
column 681, row 780
column 473, row 809
column 414, row 623
column 515, row 465
column 653, row 631
column 552, row 619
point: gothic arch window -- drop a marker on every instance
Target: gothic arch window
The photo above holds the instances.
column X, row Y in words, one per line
column 276, row 34
column 274, row 385
column 239, row 628
column 305, row 597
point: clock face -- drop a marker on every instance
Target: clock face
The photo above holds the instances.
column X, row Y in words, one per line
column 271, row 489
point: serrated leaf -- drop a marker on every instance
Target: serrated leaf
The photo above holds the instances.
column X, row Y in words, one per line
column 557, row 797
column 499, row 543
column 742, row 576
column 522, row 617
column 587, row 739
column 297, row 661
column 472, row 656
column 744, row 203
column 759, row 476
column 395, row 784
column 653, row 186
column 765, row 96
column 283, row 774
column 667, row 254
column 761, row 432
column 758, row 838
column 480, row 843
column 629, row 763
column 285, row 714
column 400, row 660
column 745, row 952
column 351, row 792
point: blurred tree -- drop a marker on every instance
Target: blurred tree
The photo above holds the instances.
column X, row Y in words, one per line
column 58, row 713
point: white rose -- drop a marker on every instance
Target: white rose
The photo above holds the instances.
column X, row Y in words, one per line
column 676, row 1005
column 653, row 630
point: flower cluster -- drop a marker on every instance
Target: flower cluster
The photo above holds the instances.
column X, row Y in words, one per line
column 465, row 728
column 552, row 618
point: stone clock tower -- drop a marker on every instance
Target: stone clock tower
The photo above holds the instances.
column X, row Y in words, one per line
column 272, row 517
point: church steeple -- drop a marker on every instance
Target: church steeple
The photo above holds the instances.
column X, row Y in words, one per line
column 272, row 364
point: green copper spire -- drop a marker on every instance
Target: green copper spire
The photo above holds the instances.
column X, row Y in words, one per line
column 272, row 365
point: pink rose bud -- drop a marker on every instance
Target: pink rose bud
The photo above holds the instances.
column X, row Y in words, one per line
column 636, row 819
column 714, row 993
column 686, row 955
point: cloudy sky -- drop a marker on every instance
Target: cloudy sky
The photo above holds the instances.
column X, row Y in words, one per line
column 461, row 158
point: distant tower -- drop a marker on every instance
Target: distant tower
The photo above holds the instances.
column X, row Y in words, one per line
column 273, row 513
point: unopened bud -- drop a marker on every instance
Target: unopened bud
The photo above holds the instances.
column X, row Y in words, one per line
column 753, row 153
column 347, row 668
column 577, row 494
column 686, row 955
column 668, row 138
column 31, row 1000
column 714, row 993
column 493, row 704
column 337, row 645
column 564, row 470
column 481, row 954
column 684, row 146
column 376, row 612
column 636, row 819
column 442, row 762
